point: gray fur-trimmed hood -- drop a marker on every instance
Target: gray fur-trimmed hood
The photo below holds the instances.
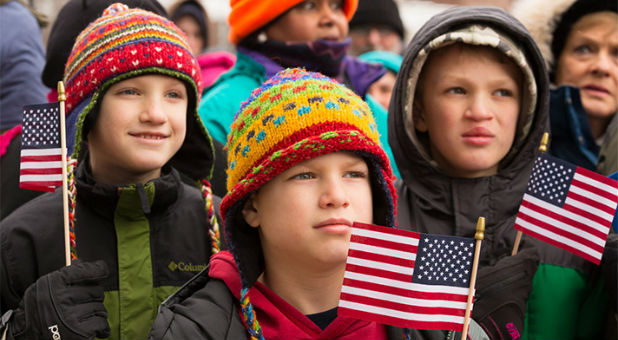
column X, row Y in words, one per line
column 541, row 19
column 457, row 202
column 409, row 154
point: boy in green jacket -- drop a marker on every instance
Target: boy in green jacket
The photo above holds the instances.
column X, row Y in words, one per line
column 139, row 231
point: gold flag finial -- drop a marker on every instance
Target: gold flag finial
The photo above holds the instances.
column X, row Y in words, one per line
column 480, row 229
column 544, row 142
column 61, row 95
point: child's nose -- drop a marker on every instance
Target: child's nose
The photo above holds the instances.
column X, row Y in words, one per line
column 334, row 194
column 154, row 112
column 479, row 108
column 327, row 14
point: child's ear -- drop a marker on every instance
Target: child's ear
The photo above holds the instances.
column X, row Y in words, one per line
column 250, row 212
column 418, row 117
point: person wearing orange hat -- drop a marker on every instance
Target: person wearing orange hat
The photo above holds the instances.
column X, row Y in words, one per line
column 271, row 35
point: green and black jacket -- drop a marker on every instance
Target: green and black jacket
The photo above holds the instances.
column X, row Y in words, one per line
column 153, row 237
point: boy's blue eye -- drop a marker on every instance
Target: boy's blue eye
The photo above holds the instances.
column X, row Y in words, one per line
column 356, row 174
column 504, row 93
column 304, row 175
column 174, row 94
column 128, row 91
column 456, row 90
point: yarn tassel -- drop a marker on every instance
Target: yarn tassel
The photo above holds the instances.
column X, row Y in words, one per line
column 213, row 229
column 72, row 166
column 248, row 313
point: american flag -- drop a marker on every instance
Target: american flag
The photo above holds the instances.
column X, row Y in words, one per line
column 569, row 207
column 407, row 279
column 41, row 157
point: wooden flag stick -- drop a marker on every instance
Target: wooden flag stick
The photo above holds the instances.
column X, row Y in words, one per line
column 479, row 236
column 65, row 191
column 542, row 148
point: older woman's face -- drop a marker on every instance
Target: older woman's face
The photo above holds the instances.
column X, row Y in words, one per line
column 589, row 61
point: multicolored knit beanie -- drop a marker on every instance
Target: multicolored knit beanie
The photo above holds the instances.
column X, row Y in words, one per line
column 295, row 116
column 247, row 16
column 125, row 43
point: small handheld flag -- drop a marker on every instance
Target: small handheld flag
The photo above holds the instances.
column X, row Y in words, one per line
column 569, row 207
column 43, row 164
column 41, row 154
column 407, row 279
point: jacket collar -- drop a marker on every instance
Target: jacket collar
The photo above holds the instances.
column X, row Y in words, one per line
column 164, row 191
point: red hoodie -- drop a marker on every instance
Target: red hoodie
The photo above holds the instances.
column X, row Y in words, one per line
column 279, row 319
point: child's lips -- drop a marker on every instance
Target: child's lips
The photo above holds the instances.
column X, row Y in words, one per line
column 335, row 225
column 149, row 137
column 478, row 136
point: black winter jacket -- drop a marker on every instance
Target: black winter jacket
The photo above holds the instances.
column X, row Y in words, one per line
column 201, row 303
column 153, row 237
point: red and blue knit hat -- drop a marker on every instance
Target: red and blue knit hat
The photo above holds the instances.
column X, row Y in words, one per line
column 295, row 116
column 125, row 43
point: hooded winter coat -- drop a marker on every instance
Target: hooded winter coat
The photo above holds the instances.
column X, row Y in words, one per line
column 433, row 202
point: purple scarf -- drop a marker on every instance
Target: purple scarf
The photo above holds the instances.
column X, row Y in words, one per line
column 326, row 57
column 322, row 56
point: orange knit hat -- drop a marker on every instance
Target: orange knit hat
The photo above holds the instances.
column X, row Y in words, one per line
column 247, row 16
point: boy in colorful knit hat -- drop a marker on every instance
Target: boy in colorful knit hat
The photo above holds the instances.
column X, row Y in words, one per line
column 304, row 164
column 139, row 232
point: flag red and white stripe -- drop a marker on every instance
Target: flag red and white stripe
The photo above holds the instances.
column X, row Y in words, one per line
column 569, row 207
column 41, row 155
column 392, row 277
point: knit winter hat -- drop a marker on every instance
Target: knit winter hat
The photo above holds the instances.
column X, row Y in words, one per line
column 390, row 60
column 550, row 22
column 295, row 116
column 125, row 43
column 247, row 16
column 71, row 20
column 378, row 12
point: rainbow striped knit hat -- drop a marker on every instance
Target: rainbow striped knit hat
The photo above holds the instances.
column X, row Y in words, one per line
column 294, row 116
column 125, row 43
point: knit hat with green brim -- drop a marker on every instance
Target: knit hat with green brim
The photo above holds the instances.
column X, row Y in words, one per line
column 125, row 43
